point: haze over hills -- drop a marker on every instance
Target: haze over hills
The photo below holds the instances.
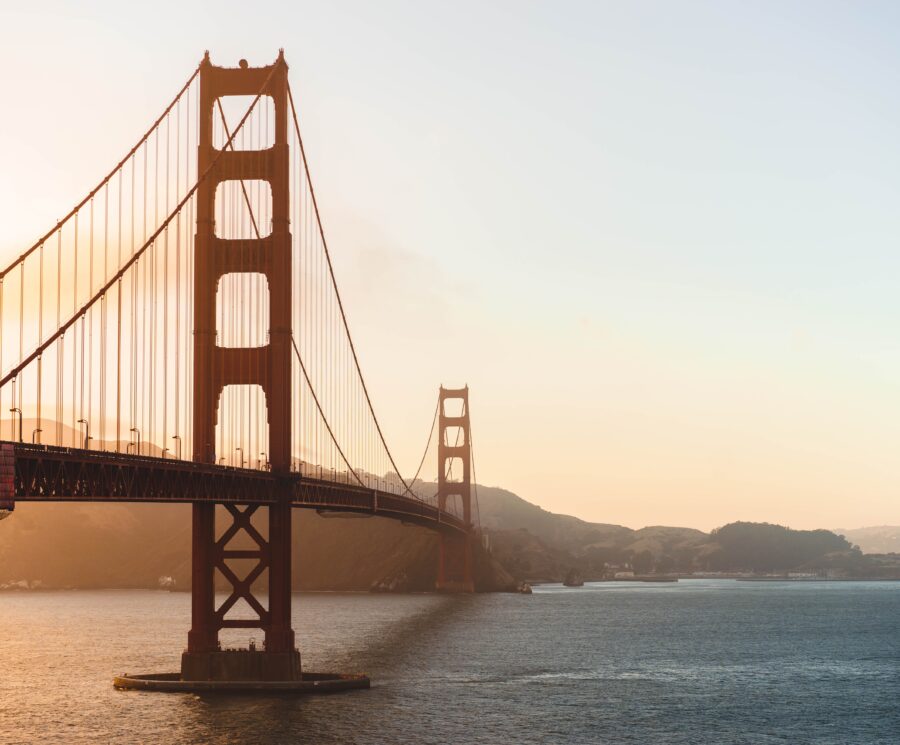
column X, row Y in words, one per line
column 880, row 539
column 141, row 545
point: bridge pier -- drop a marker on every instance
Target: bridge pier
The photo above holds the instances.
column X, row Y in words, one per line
column 205, row 666
column 204, row 659
column 455, row 566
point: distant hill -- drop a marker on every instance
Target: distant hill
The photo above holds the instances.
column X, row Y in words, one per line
column 502, row 510
column 763, row 547
column 534, row 544
column 882, row 539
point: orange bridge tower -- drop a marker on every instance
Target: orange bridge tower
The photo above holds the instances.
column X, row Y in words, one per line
column 267, row 366
column 455, row 570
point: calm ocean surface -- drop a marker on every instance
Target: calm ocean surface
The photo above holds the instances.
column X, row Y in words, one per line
column 697, row 662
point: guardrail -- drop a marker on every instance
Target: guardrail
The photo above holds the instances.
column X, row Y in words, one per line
column 56, row 474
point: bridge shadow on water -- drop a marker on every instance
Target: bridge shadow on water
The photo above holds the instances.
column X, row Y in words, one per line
column 396, row 653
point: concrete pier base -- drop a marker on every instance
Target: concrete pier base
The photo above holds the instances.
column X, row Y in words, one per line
column 240, row 665
column 310, row 683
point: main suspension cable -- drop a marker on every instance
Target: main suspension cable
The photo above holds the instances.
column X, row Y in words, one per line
column 474, row 474
column 13, row 373
column 322, row 413
column 340, row 303
column 427, row 444
column 103, row 183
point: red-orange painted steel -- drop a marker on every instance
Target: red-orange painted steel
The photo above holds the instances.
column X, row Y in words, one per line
column 216, row 367
column 455, row 570
column 7, row 476
column 44, row 473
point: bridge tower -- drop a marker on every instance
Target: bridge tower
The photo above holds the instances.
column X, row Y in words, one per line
column 268, row 366
column 455, row 449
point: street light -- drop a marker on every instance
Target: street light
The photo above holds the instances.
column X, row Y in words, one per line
column 87, row 433
column 17, row 410
column 138, row 433
column 13, row 402
column 177, row 439
column 261, row 456
column 241, row 458
column 33, row 433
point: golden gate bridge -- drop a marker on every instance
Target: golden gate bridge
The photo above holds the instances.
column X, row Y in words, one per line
column 179, row 336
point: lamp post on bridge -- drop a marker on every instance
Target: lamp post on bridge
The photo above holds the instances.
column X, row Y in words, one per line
column 138, row 433
column 87, row 433
column 35, row 432
column 17, row 410
column 177, row 439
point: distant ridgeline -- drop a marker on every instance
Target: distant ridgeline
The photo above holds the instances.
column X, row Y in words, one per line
column 533, row 544
column 134, row 545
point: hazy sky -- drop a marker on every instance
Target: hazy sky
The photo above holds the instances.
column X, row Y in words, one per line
column 659, row 240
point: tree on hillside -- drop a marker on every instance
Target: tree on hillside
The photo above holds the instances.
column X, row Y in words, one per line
column 642, row 562
column 766, row 547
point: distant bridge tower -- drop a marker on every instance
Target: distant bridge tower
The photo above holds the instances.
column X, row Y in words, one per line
column 455, row 571
column 268, row 366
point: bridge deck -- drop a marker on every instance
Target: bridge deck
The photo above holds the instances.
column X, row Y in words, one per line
column 43, row 473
